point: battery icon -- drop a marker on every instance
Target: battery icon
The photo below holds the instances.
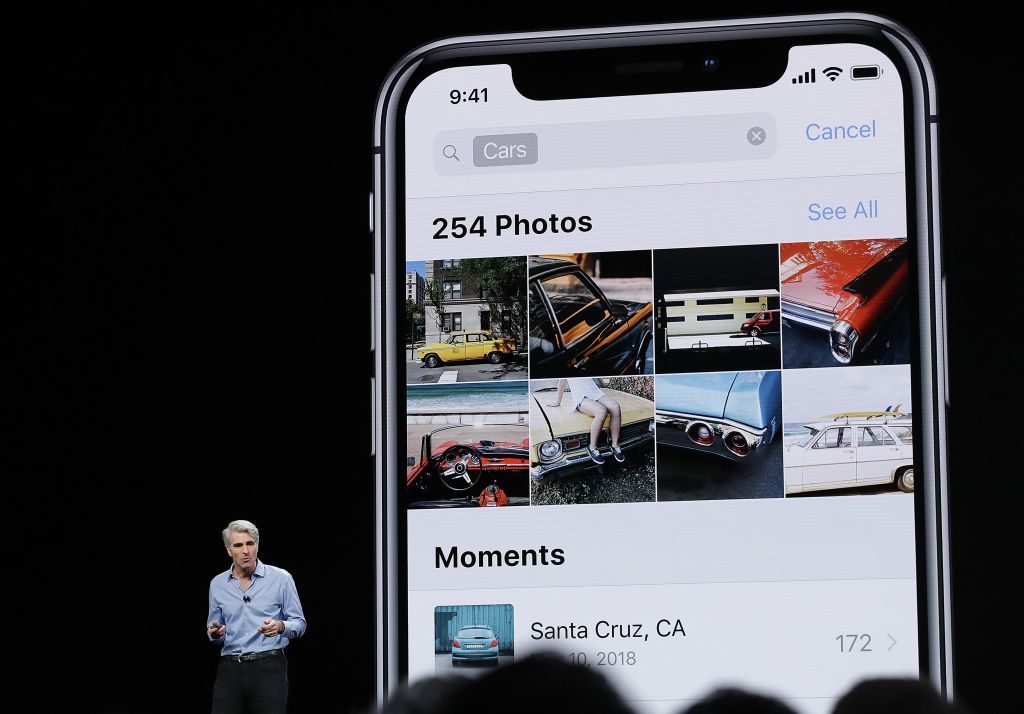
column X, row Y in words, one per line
column 866, row 71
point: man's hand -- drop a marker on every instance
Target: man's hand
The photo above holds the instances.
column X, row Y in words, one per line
column 272, row 628
column 216, row 630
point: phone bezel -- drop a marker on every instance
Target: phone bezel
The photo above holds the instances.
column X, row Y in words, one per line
column 930, row 388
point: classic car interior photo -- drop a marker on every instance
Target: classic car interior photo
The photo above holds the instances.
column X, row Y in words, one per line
column 466, row 466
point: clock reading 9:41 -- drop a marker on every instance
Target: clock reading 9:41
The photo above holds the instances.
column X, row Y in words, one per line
column 458, row 96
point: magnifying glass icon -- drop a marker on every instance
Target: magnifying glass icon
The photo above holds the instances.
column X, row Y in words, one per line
column 448, row 152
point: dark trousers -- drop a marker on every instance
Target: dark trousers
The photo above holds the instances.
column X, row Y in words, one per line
column 259, row 687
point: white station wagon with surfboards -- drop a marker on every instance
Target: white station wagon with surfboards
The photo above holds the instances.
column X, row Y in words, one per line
column 853, row 449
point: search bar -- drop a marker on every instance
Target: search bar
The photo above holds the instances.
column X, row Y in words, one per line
column 606, row 144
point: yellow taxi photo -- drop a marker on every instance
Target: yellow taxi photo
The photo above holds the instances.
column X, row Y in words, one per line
column 467, row 346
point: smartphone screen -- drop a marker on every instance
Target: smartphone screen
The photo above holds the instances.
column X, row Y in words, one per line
column 658, row 365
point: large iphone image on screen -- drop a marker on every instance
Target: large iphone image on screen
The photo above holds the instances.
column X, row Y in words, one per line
column 654, row 381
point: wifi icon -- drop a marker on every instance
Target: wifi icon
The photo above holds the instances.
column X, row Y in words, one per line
column 832, row 72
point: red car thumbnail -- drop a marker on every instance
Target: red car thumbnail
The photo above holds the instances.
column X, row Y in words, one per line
column 848, row 288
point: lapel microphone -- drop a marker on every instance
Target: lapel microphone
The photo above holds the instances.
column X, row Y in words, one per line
column 245, row 598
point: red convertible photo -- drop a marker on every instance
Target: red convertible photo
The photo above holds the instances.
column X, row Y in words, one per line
column 466, row 466
column 851, row 290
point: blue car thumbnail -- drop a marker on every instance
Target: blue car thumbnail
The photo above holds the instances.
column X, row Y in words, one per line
column 730, row 414
column 475, row 643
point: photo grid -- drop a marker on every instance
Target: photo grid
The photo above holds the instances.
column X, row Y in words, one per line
column 738, row 372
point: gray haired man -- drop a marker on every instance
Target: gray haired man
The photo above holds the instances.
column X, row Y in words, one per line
column 254, row 613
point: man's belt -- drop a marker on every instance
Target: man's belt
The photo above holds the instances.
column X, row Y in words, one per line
column 255, row 656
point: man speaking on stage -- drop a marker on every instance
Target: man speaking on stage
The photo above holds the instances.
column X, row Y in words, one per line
column 254, row 612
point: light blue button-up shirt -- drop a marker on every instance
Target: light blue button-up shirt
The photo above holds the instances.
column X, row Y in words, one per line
column 272, row 595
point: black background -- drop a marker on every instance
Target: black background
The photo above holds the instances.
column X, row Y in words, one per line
column 710, row 269
column 189, row 332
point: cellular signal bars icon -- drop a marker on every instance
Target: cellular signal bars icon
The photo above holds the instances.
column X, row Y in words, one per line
column 805, row 78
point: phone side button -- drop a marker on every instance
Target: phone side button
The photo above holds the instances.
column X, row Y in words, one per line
column 371, row 211
column 373, row 416
column 373, row 315
column 945, row 339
